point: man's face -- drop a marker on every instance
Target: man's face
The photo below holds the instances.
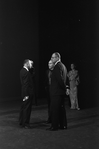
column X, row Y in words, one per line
column 54, row 58
column 50, row 65
column 72, row 66
column 30, row 64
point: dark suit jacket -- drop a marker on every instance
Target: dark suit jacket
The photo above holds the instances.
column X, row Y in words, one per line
column 57, row 86
column 47, row 78
column 26, row 82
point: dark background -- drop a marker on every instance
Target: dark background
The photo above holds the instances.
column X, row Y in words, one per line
column 18, row 41
column 35, row 29
column 71, row 28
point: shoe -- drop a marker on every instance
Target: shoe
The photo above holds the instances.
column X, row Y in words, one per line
column 49, row 128
column 64, row 127
column 53, row 129
column 27, row 127
column 48, row 122
column 78, row 108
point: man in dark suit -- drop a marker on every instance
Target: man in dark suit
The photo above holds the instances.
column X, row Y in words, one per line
column 27, row 93
column 47, row 83
column 58, row 93
column 32, row 71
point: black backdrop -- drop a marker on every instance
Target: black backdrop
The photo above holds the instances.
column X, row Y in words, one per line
column 35, row 29
column 71, row 28
column 18, row 41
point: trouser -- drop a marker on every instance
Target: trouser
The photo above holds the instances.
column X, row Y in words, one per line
column 25, row 111
column 58, row 113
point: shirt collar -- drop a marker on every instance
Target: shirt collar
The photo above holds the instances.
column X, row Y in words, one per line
column 26, row 68
column 57, row 61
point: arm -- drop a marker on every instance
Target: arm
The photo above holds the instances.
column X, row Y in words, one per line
column 77, row 80
column 59, row 76
column 25, row 84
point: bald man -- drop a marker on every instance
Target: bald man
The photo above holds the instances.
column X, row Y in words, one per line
column 57, row 94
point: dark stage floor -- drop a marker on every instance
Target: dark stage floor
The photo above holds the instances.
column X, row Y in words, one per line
column 82, row 132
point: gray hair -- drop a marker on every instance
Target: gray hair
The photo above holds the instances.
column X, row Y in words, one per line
column 58, row 55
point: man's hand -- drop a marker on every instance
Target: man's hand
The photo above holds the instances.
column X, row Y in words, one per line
column 67, row 91
column 25, row 98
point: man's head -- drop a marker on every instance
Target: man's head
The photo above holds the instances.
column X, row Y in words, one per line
column 55, row 57
column 28, row 63
column 50, row 65
column 72, row 66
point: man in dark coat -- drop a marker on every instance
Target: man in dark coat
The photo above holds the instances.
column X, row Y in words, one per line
column 58, row 93
column 32, row 71
column 47, row 83
column 27, row 93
